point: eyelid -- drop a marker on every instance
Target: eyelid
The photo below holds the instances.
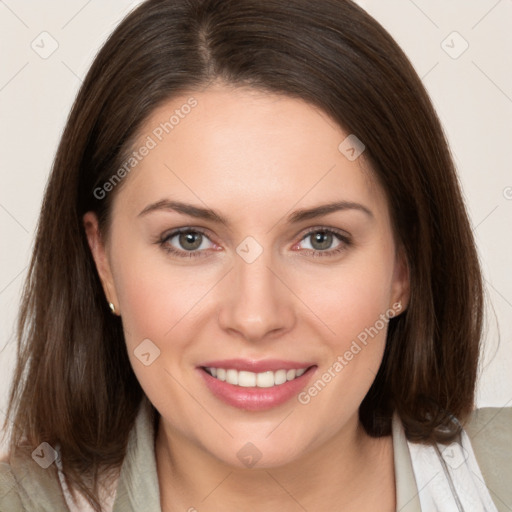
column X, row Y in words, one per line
column 163, row 242
column 184, row 229
column 342, row 233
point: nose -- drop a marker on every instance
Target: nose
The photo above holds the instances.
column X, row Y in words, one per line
column 256, row 302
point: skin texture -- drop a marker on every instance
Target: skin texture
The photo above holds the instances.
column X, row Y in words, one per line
column 255, row 158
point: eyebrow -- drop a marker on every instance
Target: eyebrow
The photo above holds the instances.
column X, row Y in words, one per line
column 294, row 218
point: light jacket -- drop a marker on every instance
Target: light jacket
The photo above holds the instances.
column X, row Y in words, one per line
column 26, row 487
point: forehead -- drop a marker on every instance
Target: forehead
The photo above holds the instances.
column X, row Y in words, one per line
column 247, row 149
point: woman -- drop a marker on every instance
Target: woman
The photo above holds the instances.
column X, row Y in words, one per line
column 254, row 284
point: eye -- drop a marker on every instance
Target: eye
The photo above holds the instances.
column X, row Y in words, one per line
column 192, row 242
column 186, row 242
column 325, row 242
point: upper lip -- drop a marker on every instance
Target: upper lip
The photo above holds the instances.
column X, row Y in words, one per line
column 256, row 366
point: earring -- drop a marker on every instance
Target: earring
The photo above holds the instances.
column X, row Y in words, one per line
column 112, row 308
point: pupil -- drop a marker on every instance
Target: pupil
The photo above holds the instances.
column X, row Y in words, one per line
column 194, row 239
column 323, row 240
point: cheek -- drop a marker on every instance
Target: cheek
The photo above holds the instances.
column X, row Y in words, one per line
column 155, row 302
column 162, row 301
column 353, row 305
column 152, row 295
column 352, row 298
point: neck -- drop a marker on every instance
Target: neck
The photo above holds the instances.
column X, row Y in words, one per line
column 349, row 472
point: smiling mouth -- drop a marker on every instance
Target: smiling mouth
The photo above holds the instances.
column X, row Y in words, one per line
column 246, row 379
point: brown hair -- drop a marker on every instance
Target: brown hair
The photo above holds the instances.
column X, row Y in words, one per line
column 329, row 53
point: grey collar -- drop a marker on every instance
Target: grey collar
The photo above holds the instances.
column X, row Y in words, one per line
column 407, row 498
column 137, row 487
column 138, row 483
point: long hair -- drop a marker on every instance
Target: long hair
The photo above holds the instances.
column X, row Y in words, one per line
column 330, row 53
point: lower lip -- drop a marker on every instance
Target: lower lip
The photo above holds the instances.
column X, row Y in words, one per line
column 254, row 398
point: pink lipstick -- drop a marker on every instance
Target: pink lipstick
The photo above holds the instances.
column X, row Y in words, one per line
column 255, row 385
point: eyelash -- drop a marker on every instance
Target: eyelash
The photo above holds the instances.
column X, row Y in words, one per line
column 346, row 242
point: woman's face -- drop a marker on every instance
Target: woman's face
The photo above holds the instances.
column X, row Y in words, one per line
column 263, row 280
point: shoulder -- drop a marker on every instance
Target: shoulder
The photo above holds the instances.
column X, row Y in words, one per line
column 26, row 487
column 490, row 432
column 9, row 492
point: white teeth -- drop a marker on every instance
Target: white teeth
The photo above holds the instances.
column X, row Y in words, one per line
column 250, row 379
column 265, row 380
column 246, row 379
column 279, row 377
column 290, row 375
column 232, row 377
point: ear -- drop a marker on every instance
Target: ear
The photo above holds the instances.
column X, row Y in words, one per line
column 401, row 288
column 100, row 256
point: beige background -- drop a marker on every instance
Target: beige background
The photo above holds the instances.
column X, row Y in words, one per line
column 468, row 75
